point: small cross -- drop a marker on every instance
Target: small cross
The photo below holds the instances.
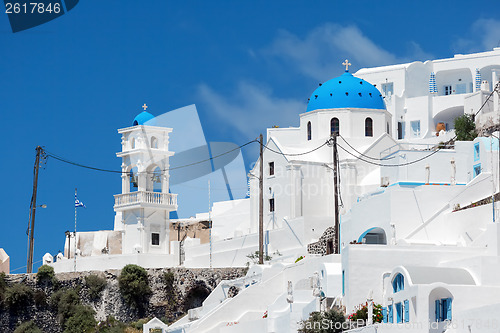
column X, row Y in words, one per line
column 346, row 63
column 144, row 106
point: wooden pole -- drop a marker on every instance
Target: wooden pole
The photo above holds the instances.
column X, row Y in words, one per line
column 336, row 194
column 29, row 265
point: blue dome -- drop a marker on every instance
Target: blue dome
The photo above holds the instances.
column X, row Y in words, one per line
column 142, row 118
column 346, row 91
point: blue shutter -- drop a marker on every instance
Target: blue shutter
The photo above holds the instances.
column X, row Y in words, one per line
column 407, row 311
column 448, row 308
column 399, row 313
column 390, row 314
column 343, row 283
column 384, row 314
column 438, row 307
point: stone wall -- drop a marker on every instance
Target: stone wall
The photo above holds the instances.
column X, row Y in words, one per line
column 190, row 288
column 320, row 247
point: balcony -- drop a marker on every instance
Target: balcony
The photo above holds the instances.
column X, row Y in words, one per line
column 145, row 199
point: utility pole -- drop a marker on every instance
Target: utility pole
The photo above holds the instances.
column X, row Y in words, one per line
column 336, row 193
column 261, row 203
column 29, row 265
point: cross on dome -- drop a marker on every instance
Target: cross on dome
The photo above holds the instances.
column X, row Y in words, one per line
column 144, row 106
column 346, row 63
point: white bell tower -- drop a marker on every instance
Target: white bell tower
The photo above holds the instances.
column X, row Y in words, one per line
column 143, row 207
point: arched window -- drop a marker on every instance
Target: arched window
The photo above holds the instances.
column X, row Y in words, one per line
column 368, row 127
column 309, row 131
column 154, row 142
column 388, row 132
column 334, row 126
column 132, row 143
column 398, row 283
column 156, row 179
column 134, row 181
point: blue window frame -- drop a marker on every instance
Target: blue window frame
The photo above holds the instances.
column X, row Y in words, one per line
column 476, row 151
column 398, row 283
column 390, row 314
column 443, row 309
column 399, row 312
column 384, row 314
column 477, row 169
column 407, row 311
column 133, row 180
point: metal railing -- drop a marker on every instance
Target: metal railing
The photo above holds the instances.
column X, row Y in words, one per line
column 155, row 198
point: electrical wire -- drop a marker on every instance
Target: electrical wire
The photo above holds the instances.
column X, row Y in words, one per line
column 297, row 154
column 360, row 153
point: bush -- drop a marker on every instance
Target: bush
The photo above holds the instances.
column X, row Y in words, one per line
column 3, row 287
column 18, row 297
column 134, row 287
column 65, row 302
column 362, row 313
column 40, row 298
column 334, row 319
column 46, row 275
column 465, row 128
column 95, row 285
column 28, row 327
column 81, row 321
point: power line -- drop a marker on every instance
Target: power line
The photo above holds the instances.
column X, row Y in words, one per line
column 360, row 153
column 64, row 160
column 297, row 154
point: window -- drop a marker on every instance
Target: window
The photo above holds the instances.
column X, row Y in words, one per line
column 309, row 134
column 368, row 127
column 399, row 312
column 398, row 283
column 134, row 182
column 334, row 126
column 390, row 314
column 407, row 311
column 155, row 238
column 271, row 205
column 388, row 89
column 329, row 246
column 132, row 143
column 415, row 128
column 476, row 151
column 447, row 90
column 443, row 309
column 271, row 168
column 384, row 314
column 401, row 130
column 154, row 142
column 156, row 178
column 477, row 169
column 388, row 129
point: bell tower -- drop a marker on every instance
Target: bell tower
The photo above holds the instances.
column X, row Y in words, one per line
column 144, row 205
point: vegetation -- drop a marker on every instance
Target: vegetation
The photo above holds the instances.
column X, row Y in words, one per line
column 362, row 313
column 3, row 287
column 46, row 275
column 18, row 297
column 40, row 298
column 169, row 279
column 330, row 321
column 81, row 321
column 28, row 327
column 465, row 128
column 134, row 286
column 95, row 285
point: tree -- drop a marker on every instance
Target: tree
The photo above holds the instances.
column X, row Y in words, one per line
column 331, row 321
column 82, row 320
column 465, row 128
column 134, row 286
column 28, row 327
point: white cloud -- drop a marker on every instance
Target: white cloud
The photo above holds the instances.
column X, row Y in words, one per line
column 252, row 108
column 484, row 35
column 321, row 51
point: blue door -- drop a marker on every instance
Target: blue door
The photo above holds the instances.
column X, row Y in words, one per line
column 399, row 312
column 390, row 314
column 407, row 311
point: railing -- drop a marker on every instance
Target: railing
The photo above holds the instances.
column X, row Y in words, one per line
column 425, row 147
column 155, row 198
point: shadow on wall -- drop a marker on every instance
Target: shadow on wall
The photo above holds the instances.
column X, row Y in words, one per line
column 195, row 296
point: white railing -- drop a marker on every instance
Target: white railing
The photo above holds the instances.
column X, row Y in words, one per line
column 164, row 199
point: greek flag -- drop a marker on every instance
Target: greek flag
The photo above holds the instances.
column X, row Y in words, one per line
column 78, row 203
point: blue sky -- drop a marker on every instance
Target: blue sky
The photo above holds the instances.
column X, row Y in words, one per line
column 247, row 65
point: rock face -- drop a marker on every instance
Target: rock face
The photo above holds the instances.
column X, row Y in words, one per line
column 170, row 298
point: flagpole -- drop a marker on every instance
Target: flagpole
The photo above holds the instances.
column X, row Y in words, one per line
column 75, row 233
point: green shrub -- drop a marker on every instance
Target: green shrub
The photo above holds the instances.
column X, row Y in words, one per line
column 45, row 275
column 28, row 327
column 40, row 298
column 362, row 313
column 134, row 287
column 111, row 325
column 81, row 321
column 18, row 297
column 3, row 287
column 334, row 320
column 465, row 128
column 65, row 302
column 168, row 279
column 95, row 285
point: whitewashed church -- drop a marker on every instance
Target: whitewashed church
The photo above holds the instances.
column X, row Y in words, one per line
column 418, row 227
